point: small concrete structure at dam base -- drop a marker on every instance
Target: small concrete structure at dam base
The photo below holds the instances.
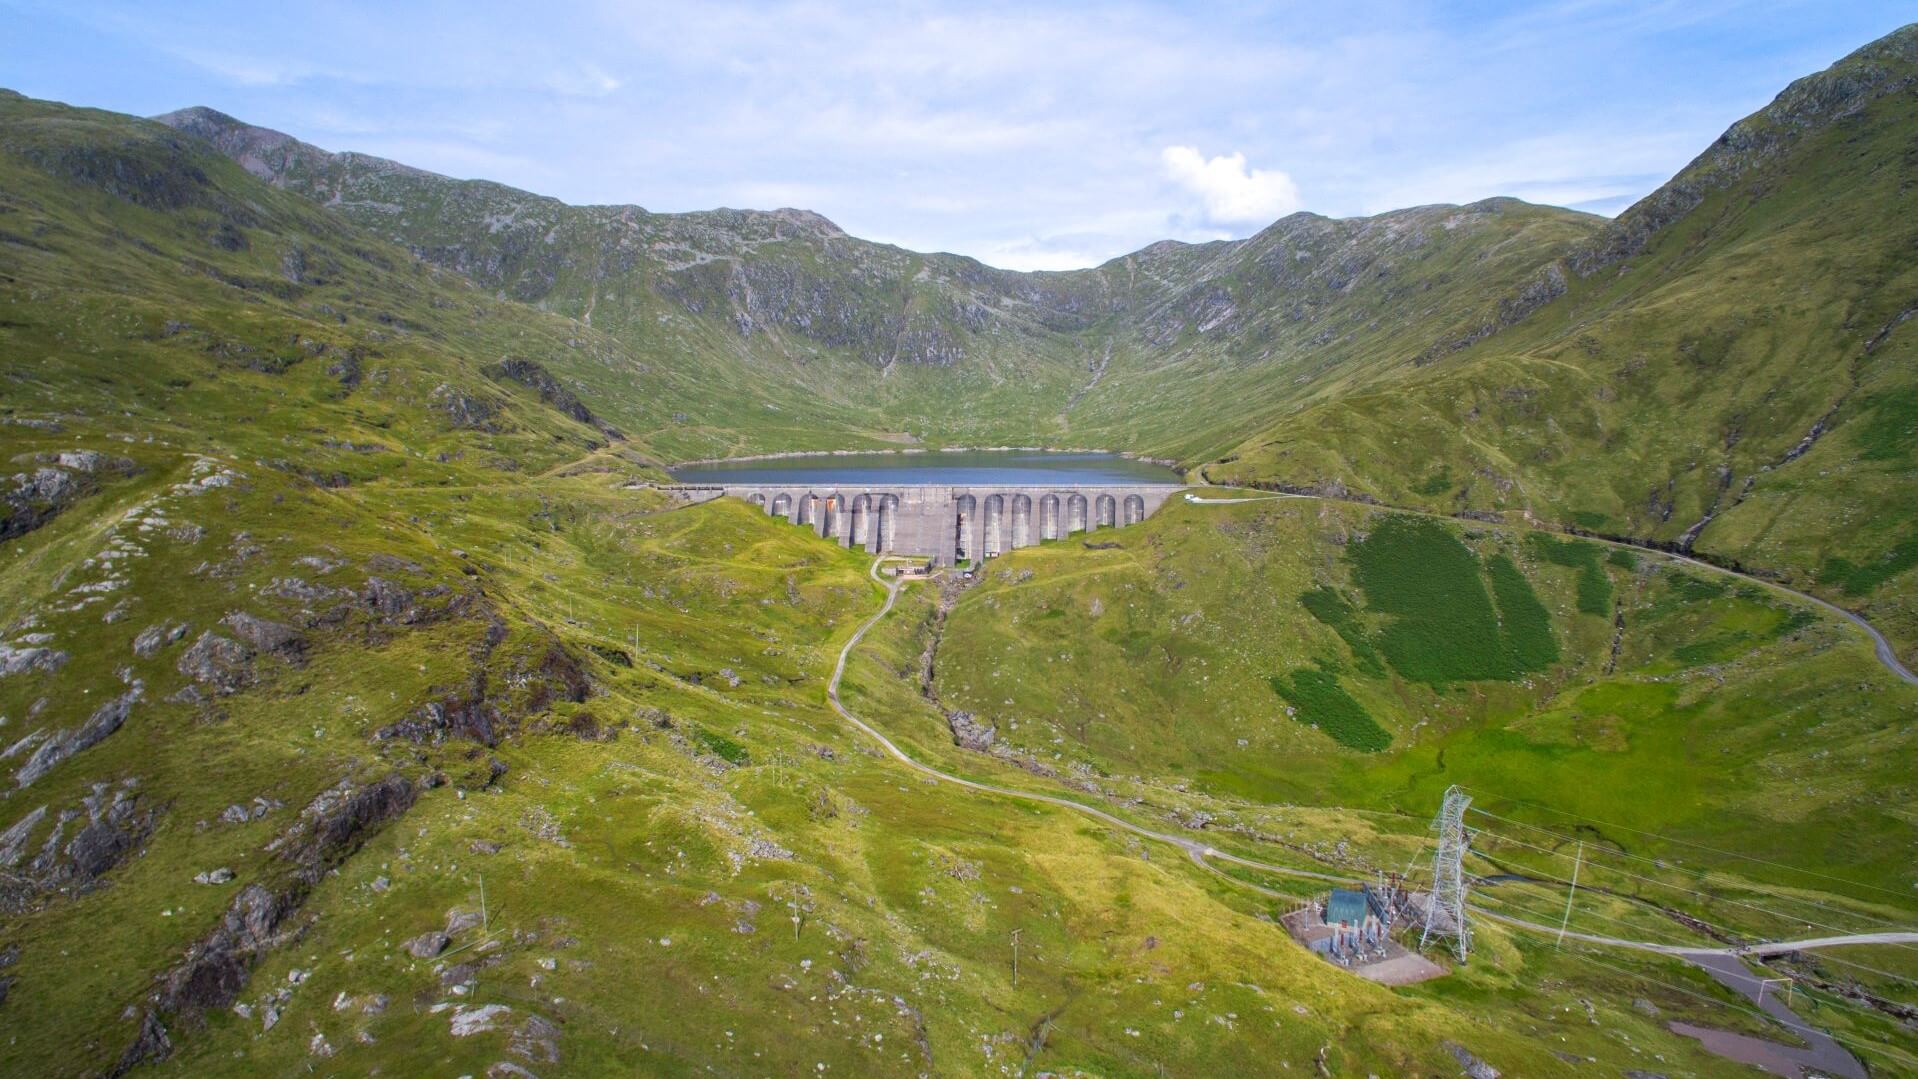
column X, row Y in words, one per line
column 946, row 523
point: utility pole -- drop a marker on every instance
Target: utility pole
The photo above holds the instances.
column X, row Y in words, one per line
column 1573, row 894
column 1448, row 875
column 1015, row 956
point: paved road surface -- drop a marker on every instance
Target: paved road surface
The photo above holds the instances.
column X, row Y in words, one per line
column 1722, row 963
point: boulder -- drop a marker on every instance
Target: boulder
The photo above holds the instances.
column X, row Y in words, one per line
column 1474, row 1067
column 19, row 660
column 427, row 945
column 969, row 733
column 466, row 1023
column 219, row 662
column 266, row 636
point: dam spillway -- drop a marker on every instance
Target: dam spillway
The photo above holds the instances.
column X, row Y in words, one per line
column 949, row 523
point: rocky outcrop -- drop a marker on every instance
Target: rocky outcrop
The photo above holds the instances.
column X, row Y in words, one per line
column 262, row 635
column 1473, row 1066
column 969, row 733
column 215, row 969
column 531, row 375
column 221, row 664
column 31, row 499
column 157, row 636
column 24, row 656
column 63, row 744
column 82, row 844
column 464, row 411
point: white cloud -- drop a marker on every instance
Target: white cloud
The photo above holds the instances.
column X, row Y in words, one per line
column 1230, row 193
column 582, row 80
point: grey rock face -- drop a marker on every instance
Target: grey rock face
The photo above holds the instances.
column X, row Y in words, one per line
column 108, row 830
column 427, row 945
column 157, row 636
column 969, row 733
column 389, row 601
column 1474, row 1067
column 19, row 660
column 36, row 497
column 218, row 662
column 266, row 636
column 58, row 747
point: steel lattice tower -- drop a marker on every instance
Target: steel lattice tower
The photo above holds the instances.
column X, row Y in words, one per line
column 1448, row 875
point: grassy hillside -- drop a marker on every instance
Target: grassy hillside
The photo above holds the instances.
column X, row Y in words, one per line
column 1724, row 368
column 358, row 716
column 1175, row 350
column 1728, row 369
column 362, row 709
column 1312, row 652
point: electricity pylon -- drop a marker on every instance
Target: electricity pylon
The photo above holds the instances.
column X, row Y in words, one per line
column 1448, row 875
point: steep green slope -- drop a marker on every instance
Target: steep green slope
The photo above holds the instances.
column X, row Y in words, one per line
column 1729, row 368
column 1175, row 350
column 357, row 712
column 358, row 716
column 1304, row 651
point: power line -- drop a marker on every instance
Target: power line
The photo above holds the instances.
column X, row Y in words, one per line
column 1483, row 894
column 1542, row 925
column 1861, row 966
column 1783, row 915
column 1885, row 1051
column 1752, row 885
column 1687, row 843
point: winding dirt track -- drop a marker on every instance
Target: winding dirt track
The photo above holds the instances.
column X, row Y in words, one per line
column 1204, row 854
column 1724, row 964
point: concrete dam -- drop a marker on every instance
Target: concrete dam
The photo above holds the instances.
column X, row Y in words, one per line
column 950, row 524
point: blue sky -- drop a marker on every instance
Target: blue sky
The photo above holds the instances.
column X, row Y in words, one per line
column 1030, row 135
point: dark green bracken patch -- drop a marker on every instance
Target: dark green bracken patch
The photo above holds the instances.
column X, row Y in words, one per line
column 1319, row 701
column 1594, row 587
column 1856, row 580
column 1695, row 589
column 1331, row 608
column 1527, row 625
column 1889, row 431
column 722, row 747
column 1622, row 558
column 1435, row 484
column 1442, row 626
column 1590, row 519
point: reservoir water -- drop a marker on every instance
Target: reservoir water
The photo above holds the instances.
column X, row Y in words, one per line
column 970, row 468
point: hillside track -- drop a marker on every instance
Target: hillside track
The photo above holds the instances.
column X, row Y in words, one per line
column 1205, row 855
column 1881, row 647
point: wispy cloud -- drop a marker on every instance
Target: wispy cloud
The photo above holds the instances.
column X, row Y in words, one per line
column 1027, row 135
